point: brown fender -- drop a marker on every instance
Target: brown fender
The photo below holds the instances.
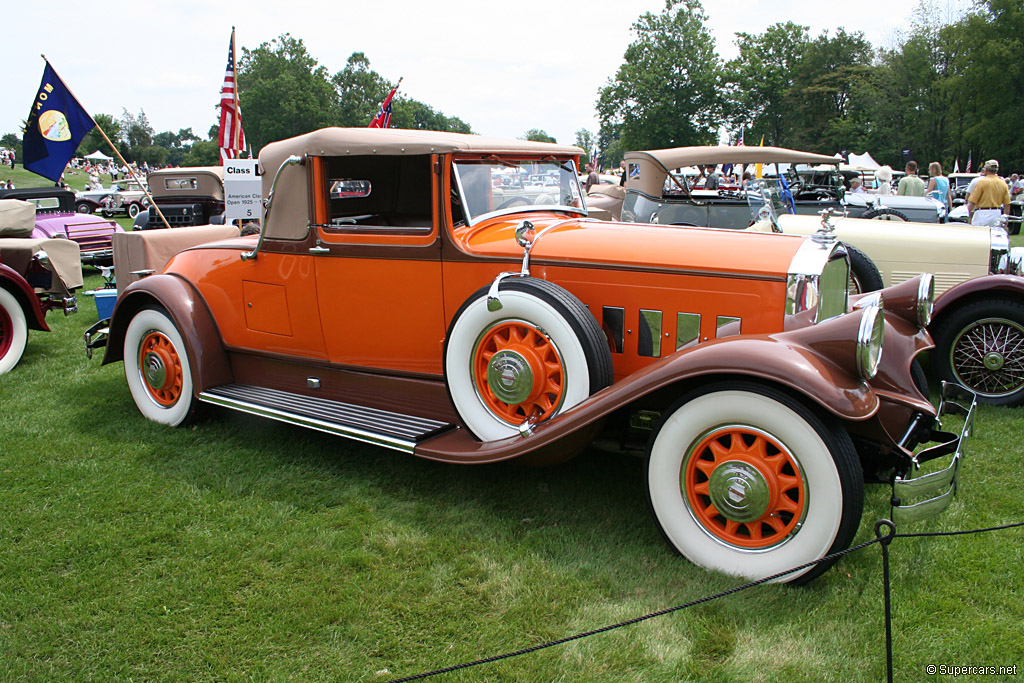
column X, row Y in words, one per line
column 979, row 287
column 13, row 282
column 813, row 362
column 188, row 311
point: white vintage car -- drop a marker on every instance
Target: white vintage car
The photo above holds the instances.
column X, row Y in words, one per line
column 978, row 325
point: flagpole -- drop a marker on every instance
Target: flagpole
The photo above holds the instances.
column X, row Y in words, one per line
column 124, row 163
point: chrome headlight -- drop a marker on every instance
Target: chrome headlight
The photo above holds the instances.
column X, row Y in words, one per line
column 925, row 300
column 870, row 338
column 43, row 258
column 818, row 276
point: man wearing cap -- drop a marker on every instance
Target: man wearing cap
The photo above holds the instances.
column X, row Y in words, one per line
column 990, row 197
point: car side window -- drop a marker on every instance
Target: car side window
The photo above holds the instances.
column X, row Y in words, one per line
column 379, row 193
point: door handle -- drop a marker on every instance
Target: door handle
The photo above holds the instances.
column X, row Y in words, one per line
column 319, row 250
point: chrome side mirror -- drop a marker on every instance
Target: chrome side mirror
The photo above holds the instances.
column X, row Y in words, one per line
column 525, row 234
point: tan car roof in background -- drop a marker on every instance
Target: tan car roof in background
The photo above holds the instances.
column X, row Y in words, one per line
column 209, row 181
column 721, row 154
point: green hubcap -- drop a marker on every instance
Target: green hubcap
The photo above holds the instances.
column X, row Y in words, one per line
column 510, row 377
column 739, row 491
column 994, row 361
column 154, row 371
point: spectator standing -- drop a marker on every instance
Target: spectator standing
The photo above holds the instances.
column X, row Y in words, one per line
column 592, row 178
column 622, row 176
column 990, row 198
column 712, row 180
column 1016, row 187
column 938, row 185
column 911, row 184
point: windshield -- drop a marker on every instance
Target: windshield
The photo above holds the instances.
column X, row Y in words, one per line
column 494, row 186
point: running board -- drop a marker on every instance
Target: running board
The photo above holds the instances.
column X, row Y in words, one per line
column 370, row 425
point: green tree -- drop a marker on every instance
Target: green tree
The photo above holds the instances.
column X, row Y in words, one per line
column 761, row 78
column 360, row 91
column 203, row 153
column 586, row 141
column 667, row 93
column 823, row 99
column 94, row 141
column 413, row 114
column 537, row 135
column 284, row 91
column 177, row 144
column 12, row 141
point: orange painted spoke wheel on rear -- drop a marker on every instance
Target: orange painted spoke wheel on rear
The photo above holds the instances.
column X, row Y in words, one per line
column 744, row 487
column 160, row 368
column 518, row 372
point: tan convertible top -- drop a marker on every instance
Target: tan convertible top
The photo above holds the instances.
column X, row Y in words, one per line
column 288, row 219
column 691, row 156
column 654, row 164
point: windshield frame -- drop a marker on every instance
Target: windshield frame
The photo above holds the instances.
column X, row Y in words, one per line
column 566, row 165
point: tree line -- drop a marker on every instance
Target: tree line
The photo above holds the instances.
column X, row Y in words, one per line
column 952, row 87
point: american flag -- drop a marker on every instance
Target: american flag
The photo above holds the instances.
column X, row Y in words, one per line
column 232, row 138
column 968, row 170
column 383, row 117
column 739, row 143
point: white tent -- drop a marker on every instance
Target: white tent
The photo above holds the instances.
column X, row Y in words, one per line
column 98, row 156
column 864, row 161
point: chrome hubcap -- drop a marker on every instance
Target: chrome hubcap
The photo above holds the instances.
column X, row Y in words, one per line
column 510, row 377
column 153, row 370
column 739, row 491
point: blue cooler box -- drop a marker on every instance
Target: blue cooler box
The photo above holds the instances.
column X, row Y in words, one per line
column 105, row 300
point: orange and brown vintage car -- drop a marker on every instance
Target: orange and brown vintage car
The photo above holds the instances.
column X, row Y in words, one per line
column 447, row 295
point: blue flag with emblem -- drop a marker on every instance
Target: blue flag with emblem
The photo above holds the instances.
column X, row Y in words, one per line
column 55, row 126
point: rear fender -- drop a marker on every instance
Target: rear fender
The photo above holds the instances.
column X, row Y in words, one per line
column 188, row 311
column 20, row 289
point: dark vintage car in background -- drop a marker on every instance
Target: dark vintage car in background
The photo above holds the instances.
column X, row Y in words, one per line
column 185, row 196
column 404, row 293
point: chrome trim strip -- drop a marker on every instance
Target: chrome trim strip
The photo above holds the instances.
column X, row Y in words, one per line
column 723, row 320
column 614, row 322
column 353, row 433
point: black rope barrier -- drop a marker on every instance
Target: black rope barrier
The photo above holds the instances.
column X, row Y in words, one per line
column 884, row 539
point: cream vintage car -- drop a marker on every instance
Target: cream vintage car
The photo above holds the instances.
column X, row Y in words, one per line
column 979, row 315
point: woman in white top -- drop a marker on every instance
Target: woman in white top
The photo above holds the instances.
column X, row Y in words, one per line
column 882, row 177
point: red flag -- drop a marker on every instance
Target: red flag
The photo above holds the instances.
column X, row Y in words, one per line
column 232, row 138
column 383, row 117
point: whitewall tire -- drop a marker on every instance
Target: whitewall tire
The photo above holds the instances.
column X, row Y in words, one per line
column 541, row 353
column 745, row 480
column 13, row 331
column 157, row 368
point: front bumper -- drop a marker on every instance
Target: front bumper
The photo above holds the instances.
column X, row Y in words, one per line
column 96, row 336
column 944, row 481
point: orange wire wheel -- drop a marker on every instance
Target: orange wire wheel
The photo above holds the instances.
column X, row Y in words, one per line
column 160, row 368
column 744, row 487
column 518, row 372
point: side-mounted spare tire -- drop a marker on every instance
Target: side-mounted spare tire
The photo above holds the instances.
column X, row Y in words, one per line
column 884, row 213
column 539, row 354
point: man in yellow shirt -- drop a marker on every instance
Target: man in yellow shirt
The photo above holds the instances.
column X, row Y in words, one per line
column 990, row 198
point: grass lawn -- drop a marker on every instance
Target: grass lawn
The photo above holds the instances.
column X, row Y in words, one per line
column 243, row 549
column 23, row 178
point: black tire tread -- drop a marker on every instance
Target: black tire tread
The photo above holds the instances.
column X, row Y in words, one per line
column 864, row 270
column 885, row 211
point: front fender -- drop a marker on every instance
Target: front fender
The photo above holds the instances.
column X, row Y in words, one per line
column 20, row 289
column 188, row 311
column 781, row 359
column 978, row 287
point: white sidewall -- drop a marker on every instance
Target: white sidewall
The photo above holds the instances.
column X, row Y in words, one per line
column 19, row 331
column 142, row 324
column 823, row 487
column 474, row 320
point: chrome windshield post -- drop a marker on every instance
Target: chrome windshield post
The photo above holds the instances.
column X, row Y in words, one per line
column 290, row 161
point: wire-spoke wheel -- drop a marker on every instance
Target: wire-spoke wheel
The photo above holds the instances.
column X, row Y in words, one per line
column 981, row 346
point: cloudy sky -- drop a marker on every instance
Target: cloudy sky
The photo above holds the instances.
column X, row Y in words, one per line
column 503, row 67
